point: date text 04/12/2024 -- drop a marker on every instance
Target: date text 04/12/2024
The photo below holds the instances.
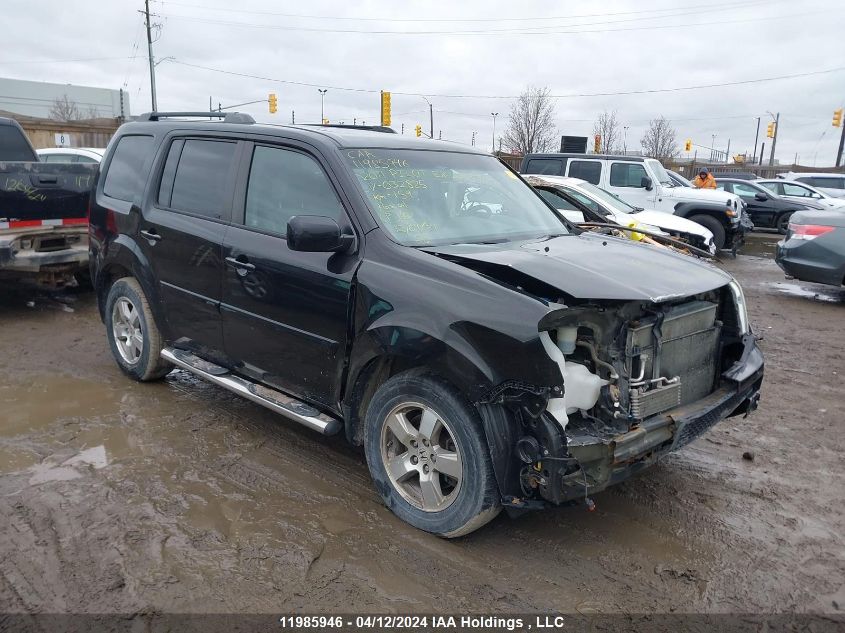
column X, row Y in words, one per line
column 488, row 623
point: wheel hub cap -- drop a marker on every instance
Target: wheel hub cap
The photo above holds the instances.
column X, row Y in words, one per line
column 126, row 327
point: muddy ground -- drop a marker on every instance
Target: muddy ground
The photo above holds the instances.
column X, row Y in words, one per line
column 176, row 496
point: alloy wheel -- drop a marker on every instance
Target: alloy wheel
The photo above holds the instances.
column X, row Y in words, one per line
column 422, row 460
column 126, row 327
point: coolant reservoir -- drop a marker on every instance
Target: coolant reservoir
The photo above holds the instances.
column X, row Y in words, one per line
column 581, row 387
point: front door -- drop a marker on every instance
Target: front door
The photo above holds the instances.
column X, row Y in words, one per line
column 762, row 212
column 626, row 181
column 285, row 313
column 181, row 232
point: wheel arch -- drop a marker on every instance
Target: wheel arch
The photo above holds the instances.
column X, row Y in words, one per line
column 125, row 259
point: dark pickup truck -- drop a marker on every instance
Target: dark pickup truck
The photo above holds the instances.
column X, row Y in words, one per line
column 43, row 213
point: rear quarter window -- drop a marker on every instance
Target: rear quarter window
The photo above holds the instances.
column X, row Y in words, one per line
column 125, row 176
column 14, row 145
column 544, row 166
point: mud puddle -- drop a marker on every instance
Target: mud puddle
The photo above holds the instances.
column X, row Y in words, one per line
column 815, row 292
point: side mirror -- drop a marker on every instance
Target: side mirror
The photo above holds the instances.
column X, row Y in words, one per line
column 645, row 183
column 762, row 197
column 317, row 234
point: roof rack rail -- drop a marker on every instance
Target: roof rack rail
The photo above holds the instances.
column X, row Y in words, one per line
column 228, row 117
column 371, row 128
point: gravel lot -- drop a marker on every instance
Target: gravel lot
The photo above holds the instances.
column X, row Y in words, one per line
column 179, row 497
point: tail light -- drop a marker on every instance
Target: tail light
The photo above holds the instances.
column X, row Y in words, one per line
column 808, row 231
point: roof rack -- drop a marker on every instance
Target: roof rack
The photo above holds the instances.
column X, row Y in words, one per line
column 371, row 128
column 228, row 117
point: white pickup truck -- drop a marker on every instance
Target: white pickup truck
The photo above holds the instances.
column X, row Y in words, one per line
column 643, row 182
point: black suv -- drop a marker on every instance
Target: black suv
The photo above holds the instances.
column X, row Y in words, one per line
column 418, row 297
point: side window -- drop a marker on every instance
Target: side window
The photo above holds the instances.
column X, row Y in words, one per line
column 165, row 189
column 284, row 183
column 545, row 167
column 202, row 177
column 834, row 183
column 125, row 177
column 744, row 191
column 58, row 158
column 589, row 170
column 85, row 159
column 773, row 187
column 627, row 175
column 588, row 202
column 795, row 190
column 557, row 200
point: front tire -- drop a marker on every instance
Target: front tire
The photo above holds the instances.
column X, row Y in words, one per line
column 428, row 457
column 134, row 338
column 714, row 226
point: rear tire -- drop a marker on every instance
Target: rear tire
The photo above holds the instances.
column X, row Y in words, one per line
column 782, row 224
column 134, row 338
column 428, row 457
column 714, row 226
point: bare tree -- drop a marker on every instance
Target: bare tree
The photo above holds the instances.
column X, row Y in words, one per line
column 531, row 127
column 92, row 112
column 64, row 109
column 659, row 140
column 607, row 126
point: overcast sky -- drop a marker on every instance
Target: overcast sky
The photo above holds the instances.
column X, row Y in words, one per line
column 480, row 48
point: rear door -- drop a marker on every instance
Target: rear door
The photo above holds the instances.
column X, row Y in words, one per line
column 181, row 233
column 286, row 313
column 589, row 170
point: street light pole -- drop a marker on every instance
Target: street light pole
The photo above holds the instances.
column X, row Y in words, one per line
column 712, row 146
column 494, row 115
column 625, row 140
column 322, row 92
column 774, row 139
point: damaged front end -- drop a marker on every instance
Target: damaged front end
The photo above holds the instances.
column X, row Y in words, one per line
column 641, row 378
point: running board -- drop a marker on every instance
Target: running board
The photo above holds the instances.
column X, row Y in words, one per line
column 274, row 400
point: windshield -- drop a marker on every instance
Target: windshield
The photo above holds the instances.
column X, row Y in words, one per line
column 433, row 198
column 660, row 173
column 606, row 198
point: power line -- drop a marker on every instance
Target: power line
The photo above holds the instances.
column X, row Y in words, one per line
column 538, row 30
column 59, row 61
column 456, row 20
column 554, row 96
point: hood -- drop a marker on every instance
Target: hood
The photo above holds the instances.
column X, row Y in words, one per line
column 669, row 222
column 713, row 196
column 590, row 266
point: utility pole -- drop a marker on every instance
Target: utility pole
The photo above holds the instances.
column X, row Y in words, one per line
column 293, row 117
column 625, row 141
column 756, row 136
column 150, row 55
column 728, row 152
column 841, row 144
column 494, row 115
column 774, row 140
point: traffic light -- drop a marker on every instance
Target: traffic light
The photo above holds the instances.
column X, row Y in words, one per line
column 418, row 130
column 688, row 145
column 597, row 143
column 770, row 130
column 273, row 102
column 837, row 117
column 385, row 108
column 325, row 121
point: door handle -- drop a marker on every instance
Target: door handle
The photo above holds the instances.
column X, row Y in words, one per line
column 240, row 264
column 151, row 235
